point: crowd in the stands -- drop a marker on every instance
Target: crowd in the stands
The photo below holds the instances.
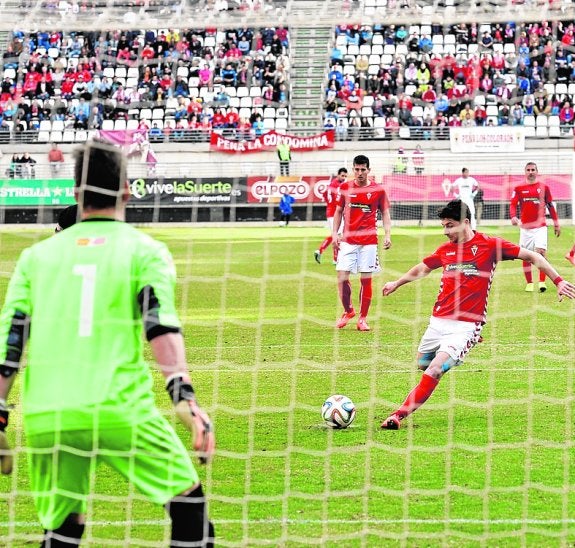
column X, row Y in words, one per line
column 192, row 79
column 429, row 78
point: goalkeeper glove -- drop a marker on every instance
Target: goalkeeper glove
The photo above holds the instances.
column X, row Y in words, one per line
column 5, row 453
column 194, row 418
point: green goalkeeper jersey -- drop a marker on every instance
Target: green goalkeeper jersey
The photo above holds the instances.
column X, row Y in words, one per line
column 82, row 290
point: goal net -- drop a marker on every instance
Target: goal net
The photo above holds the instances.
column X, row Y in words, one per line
column 486, row 461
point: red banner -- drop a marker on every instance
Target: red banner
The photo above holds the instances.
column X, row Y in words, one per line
column 270, row 140
column 401, row 188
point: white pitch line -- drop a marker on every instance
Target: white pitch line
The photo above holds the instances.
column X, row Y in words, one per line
column 273, row 521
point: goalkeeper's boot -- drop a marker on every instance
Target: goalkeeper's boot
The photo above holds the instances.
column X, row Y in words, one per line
column 542, row 287
column 362, row 324
column 345, row 319
column 529, row 287
column 391, row 423
column 317, row 256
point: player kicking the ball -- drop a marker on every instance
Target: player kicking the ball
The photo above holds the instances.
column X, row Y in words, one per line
column 82, row 300
column 468, row 261
column 357, row 203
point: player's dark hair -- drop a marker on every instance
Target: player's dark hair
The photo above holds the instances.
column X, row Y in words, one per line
column 100, row 175
column 342, row 170
column 456, row 210
column 361, row 160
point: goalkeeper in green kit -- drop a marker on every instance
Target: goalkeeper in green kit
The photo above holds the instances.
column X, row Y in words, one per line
column 82, row 301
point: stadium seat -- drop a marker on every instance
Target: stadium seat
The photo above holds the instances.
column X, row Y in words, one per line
column 529, row 120
column 282, row 112
column 541, row 120
column 158, row 114
column 255, row 91
column 509, row 48
column 120, row 124
column 561, row 88
column 69, row 136
column 269, row 112
column 121, row 72
column 404, row 132
column 133, row 72
column 246, row 102
column 269, row 123
column 108, row 72
column 374, row 59
column 243, row 91
column 146, row 114
column 389, row 49
column 352, row 49
column 554, row 131
column 377, row 49
column 56, row 136
column 108, row 125
column 81, row 136
column 58, row 125
column 554, row 121
column 541, row 132
column 364, row 49
column 43, row 136
column 377, row 39
column 182, row 71
column 132, row 124
column 45, row 125
column 245, row 112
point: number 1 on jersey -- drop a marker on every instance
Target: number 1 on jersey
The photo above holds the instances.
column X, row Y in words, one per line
column 88, row 291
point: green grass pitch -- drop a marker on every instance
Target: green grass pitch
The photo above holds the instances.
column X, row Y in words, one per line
column 488, row 461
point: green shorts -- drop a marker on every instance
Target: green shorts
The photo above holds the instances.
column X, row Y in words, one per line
column 150, row 455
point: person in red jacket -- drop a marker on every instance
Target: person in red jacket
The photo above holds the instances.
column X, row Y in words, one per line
column 532, row 199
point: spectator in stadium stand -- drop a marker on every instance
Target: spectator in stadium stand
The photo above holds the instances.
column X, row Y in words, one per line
column 55, row 159
column 517, row 114
column 156, row 133
column 566, row 114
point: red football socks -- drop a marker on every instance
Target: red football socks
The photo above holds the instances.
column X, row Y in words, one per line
column 325, row 244
column 418, row 396
column 345, row 295
column 365, row 294
column 527, row 272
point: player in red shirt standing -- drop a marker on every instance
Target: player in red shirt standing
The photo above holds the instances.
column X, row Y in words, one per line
column 329, row 197
column 532, row 199
column 357, row 204
column 468, row 261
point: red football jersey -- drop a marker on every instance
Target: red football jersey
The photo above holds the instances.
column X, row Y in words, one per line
column 330, row 197
column 360, row 205
column 467, row 275
column 532, row 200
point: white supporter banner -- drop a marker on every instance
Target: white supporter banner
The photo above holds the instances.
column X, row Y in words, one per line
column 487, row 139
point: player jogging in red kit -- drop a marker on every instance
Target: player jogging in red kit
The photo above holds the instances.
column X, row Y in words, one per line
column 329, row 197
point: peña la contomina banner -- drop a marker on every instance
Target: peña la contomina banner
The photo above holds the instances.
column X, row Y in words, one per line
column 36, row 192
column 188, row 191
column 270, row 140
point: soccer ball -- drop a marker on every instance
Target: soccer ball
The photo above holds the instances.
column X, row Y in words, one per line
column 338, row 411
